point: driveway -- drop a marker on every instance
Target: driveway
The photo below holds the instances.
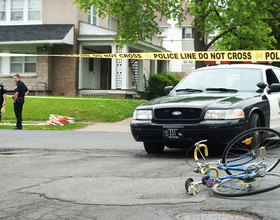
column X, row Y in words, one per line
column 107, row 175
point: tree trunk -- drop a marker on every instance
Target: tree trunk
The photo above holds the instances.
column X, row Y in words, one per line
column 199, row 39
column 199, row 45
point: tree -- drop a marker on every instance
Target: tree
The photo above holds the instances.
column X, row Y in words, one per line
column 276, row 33
column 237, row 24
column 136, row 17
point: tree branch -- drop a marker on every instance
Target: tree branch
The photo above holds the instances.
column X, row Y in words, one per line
column 218, row 37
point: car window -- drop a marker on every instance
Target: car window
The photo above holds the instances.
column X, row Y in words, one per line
column 231, row 78
column 277, row 71
column 271, row 77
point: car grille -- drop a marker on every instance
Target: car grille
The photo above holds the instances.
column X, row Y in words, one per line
column 178, row 113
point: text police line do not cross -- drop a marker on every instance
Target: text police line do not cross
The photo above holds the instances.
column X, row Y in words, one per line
column 254, row 55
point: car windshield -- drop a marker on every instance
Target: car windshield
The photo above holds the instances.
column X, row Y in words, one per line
column 226, row 79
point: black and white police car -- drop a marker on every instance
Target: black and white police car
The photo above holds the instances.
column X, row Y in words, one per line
column 214, row 103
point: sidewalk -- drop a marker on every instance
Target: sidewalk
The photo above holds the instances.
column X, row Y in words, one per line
column 121, row 126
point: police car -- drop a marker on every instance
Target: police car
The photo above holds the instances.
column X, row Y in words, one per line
column 214, row 103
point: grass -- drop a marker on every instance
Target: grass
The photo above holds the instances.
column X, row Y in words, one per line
column 84, row 110
column 46, row 127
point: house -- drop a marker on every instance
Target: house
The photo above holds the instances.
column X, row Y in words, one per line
column 51, row 27
column 178, row 39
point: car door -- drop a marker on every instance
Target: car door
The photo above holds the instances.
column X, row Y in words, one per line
column 274, row 100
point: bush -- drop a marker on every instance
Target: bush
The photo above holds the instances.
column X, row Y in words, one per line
column 157, row 82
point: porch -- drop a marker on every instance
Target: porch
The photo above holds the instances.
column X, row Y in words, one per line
column 114, row 77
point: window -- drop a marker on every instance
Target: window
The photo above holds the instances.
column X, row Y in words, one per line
column 17, row 10
column 277, row 72
column 271, row 77
column 30, row 64
column 34, row 10
column 23, row 65
column 90, row 64
column 188, row 62
column 240, row 78
column 20, row 10
column 187, row 33
column 2, row 10
column 93, row 16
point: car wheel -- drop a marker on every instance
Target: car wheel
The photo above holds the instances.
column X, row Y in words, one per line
column 254, row 121
column 153, row 147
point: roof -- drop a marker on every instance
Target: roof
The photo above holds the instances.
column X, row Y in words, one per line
column 49, row 33
column 139, row 47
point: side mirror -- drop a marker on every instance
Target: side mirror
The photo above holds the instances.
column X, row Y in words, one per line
column 274, row 87
column 262, row 85
column 167, row 89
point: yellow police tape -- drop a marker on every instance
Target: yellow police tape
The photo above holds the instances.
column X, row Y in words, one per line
column 254, row 55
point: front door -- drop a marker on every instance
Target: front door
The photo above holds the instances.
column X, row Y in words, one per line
column 91, row 79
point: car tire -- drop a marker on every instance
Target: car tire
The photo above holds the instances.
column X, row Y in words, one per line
column 254, row 121
column 153, row 147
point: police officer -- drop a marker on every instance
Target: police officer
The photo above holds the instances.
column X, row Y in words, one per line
column 2, row 98
column 20, row 91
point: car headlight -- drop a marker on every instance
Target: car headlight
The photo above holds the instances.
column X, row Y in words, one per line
column 142, row 115
column 224, row 114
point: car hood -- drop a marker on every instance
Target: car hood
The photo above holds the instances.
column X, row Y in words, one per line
column 200, row 100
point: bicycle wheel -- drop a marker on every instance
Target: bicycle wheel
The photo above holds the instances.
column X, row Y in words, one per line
column 242, row 187
column 244, row 149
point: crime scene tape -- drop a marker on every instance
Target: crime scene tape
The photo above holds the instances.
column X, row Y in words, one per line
column 254, row 55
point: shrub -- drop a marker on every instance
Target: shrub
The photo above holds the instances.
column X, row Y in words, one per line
column 156, row 83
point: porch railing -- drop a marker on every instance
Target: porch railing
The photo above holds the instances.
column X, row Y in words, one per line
column 36, row 88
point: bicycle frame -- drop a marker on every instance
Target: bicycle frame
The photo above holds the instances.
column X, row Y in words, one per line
column 244, row 172
column 248, row 160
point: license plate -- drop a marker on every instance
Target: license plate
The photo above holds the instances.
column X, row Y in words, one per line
column 172, row 133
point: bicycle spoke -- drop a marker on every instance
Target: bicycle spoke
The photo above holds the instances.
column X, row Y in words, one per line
column 245, row 149
column 242, row 187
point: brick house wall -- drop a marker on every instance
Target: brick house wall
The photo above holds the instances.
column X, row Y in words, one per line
column 59, row 74
column 64, row 77
column 40, row 82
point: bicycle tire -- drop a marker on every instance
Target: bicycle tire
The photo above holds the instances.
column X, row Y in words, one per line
column 235, row 187
column 260, row 137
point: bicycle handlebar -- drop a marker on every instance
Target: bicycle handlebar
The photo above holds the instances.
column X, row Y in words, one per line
column 203, row 172
column 197, row 148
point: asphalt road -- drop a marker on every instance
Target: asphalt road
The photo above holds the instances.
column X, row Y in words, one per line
column 107, row 175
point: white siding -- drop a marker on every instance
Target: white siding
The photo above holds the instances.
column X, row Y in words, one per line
column 173, row 41
column 88, row 29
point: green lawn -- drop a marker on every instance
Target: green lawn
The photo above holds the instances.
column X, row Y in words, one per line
column 84, row 110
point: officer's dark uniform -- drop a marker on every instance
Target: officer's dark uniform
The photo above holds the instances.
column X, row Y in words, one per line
column 21, row 88
column 2, row 92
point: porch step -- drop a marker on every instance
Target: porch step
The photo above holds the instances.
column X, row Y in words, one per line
column 94, row 94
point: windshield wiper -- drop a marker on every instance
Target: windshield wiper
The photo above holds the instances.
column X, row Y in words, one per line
column 189, row 90
column 221, row 89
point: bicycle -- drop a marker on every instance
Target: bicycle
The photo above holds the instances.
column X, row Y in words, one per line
column 248, row 159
